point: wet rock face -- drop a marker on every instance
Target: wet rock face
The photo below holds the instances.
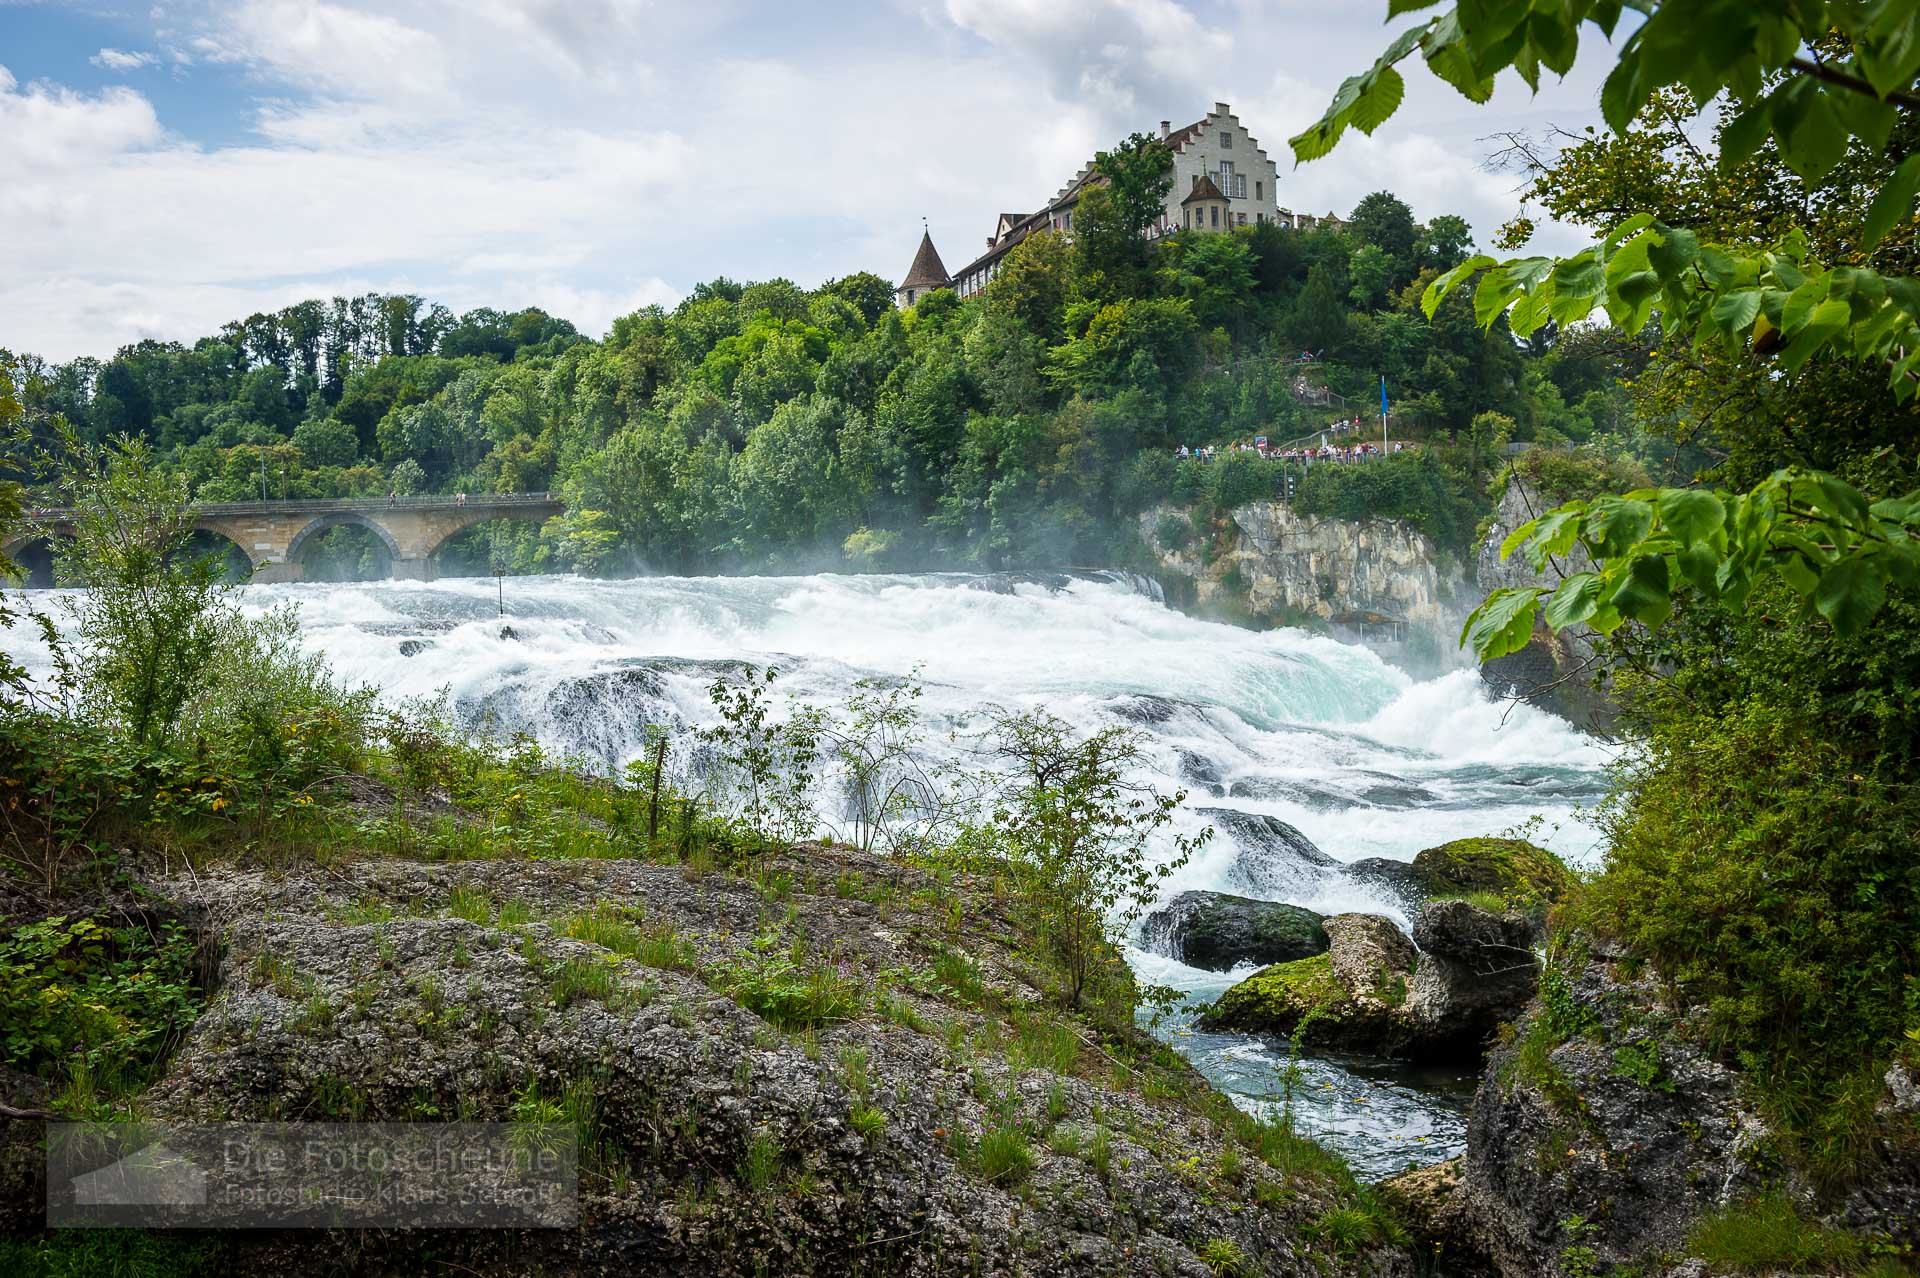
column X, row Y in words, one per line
column 1295, row 566
column 1402, row 881
column 1275, row 859
column 1477, row 968
column 1219, row 932
column 391, row 989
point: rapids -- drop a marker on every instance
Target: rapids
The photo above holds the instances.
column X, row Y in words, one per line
column 1352, row 752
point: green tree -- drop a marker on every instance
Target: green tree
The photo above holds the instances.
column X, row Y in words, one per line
column 1139, row 173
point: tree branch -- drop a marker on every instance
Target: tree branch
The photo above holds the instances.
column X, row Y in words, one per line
column 1841, row 80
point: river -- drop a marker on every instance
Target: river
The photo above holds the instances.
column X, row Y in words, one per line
column 1358, row 756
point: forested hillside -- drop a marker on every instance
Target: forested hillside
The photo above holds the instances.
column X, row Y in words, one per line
column 766, row 426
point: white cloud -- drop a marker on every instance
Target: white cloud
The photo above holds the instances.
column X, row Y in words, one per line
column 50, row 127
column 121, row 60
column 329, row 49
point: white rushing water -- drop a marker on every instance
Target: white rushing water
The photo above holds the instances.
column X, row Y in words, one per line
column 1352, row 753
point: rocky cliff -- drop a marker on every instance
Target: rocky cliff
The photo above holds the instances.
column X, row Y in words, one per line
column 821, row 1063
column 1381, row 579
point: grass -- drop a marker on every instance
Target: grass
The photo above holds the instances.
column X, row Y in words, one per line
column 959, row 977
column 471, row 902
column 621, row 931
column 761, row 1165
column 1044, row 1043
column 868, row 1121
column 1002, row 1155
column 1767, row 1235
column 789, row 992
column 1224, row 1258
column 1492, row 902
column 853, row 1070
column 582, row 978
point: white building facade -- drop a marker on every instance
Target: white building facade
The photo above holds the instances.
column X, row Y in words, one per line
column 1217, row 147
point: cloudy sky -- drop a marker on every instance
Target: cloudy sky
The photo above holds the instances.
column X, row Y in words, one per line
column 170, row 166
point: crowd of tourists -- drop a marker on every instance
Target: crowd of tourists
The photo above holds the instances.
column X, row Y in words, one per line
column 1305, row 452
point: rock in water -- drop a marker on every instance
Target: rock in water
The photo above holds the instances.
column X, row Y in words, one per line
column 1526, row 875
column 1219, row 932
column 1275, row 859
column 1402, row 881
column 1346, row 998
column 1368, row 953
column 414, row 647
column 1373, row 992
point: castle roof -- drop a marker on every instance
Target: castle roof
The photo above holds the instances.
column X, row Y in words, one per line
column 1203, row 189
column 927, row 271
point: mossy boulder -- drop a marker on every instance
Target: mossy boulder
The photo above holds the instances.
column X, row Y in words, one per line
column 1346, row 999
column 1522, row 874
column 1303, row 998
column 1217, row 931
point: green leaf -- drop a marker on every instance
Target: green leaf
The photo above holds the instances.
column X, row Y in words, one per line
column 1503, row 622
column 1385, row 91
column 1741, row 138
column 1554, row 533
column 1691, row 515
column 1828, row 320
column 1735, row 312
column 1437, row 291
column 1645, row 592
column 1615, row 525
column 1893, row 204
column 1676, row 251
column 1577, row 599
column 1851, row 592
column 1518, row 537
column 1397, row 7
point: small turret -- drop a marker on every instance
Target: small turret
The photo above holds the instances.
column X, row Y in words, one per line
column 927, row 273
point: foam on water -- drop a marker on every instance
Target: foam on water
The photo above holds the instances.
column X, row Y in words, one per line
column 1356, row 755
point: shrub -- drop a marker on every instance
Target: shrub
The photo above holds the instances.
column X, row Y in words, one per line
column 79, row 996
column 1412, row 487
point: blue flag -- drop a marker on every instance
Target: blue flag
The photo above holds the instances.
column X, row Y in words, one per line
column 1383, row 396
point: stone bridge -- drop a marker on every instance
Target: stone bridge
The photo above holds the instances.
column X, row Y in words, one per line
column 274, row 534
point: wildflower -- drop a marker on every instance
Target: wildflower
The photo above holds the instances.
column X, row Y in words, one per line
column 219, row 801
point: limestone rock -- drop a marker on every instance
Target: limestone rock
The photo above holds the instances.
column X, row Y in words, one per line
column 1368, row 954
column 1219, row 932
column 1281, row 566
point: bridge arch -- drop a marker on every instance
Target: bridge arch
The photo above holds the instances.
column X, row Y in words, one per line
column 32, row 552
column 446, row 529
column 335, row 519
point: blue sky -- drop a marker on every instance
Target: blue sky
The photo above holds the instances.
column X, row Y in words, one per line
column 178, row 164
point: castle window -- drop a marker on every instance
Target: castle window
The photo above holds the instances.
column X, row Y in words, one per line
column 1241, row 218
column 1216, row 215
column 1259, row 190
column 1226, row 141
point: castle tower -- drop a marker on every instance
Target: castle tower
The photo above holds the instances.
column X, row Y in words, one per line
column 927, row 273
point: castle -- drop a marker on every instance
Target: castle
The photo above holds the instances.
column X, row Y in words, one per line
column 1222, row 178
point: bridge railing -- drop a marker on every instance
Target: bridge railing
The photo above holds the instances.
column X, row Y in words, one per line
column 425, row 501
